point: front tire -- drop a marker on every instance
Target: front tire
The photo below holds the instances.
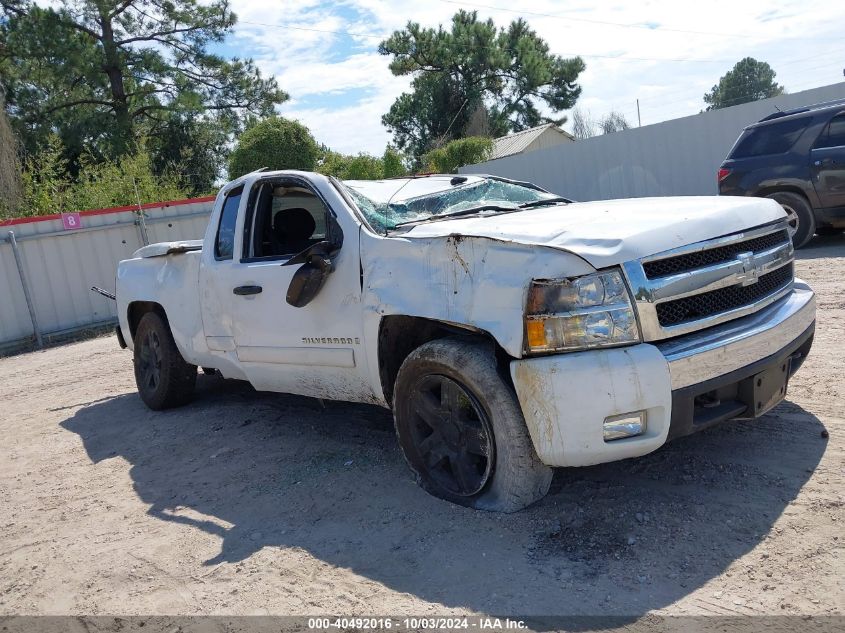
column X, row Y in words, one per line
column 163, row 377
column 461, row 429
column 802, row 222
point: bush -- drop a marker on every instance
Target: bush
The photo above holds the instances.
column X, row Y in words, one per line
column 394, row 163
column 275, row 143
column 457, row 153
column 362, row 166
column 125, row 181
column 48, row 189
column 346, row 167
column 46, row 185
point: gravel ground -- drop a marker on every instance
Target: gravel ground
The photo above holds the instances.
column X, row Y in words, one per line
column 246, row 503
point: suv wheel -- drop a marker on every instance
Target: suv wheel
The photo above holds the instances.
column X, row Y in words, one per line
column 461, row 429
column 802, row 223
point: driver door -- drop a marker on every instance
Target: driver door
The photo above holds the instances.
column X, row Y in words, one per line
column 314, row 350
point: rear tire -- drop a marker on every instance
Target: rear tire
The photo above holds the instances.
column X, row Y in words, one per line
column 802, row 222
column 461, row 429
column 828, row 231
column 163, row 377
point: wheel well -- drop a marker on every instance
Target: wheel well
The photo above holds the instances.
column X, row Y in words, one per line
column 137, row 309
column 400, row 335
column 767, row 191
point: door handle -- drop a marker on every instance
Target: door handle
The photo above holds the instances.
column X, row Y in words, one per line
column 247, row 290
column 824, row 162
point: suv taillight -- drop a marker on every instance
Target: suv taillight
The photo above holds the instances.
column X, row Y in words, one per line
column 724, row 173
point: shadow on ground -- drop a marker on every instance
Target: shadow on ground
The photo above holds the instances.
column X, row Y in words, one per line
column 823, row 246
column 621, row 538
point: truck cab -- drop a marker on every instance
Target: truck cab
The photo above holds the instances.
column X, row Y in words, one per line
column 509, row 329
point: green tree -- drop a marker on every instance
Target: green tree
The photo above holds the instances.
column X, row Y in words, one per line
column 362, row 166
column 275, row 143
column 46, row 185
column 507, row 75
column 194, row 146
column 102, row 73
column 10, row 167
column 127, row 180
column 457, row 153
column 357, row 167
column 749, row 80
column 394, row 163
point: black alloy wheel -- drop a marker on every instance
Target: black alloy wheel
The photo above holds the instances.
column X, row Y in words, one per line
column 149, row 365
column 163, row 377
column 452, row 436
column 461, row 430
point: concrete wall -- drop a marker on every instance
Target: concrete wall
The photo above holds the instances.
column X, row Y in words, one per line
column 62, row 265
column 673, row 158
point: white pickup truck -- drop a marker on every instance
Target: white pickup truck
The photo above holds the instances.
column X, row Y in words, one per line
column 509, row 330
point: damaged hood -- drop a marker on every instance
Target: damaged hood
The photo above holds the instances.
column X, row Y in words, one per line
column 610, row 232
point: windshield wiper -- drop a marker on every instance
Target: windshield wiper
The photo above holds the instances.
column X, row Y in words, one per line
column 540, row 203
column 455, row 214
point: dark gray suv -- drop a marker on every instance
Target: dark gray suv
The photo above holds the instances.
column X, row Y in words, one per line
column 796, row 157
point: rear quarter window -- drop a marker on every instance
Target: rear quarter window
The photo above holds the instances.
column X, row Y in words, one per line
column 775, row 138
column 224, row 244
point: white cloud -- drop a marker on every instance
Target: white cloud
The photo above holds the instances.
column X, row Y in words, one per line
column 352, row 129
column 802, row 42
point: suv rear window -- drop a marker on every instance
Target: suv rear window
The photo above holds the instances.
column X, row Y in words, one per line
column 775, row 138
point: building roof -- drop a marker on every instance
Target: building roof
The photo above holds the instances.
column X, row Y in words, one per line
column 519, row 141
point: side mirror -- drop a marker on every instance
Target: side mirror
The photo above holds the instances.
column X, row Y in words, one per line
column 307, row 280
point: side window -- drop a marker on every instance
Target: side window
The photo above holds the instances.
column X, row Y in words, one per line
column 286, row 221
column 834, row 133
column 773, row 138
column 224, row 245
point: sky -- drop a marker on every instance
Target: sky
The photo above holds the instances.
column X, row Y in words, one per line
column 666, row 53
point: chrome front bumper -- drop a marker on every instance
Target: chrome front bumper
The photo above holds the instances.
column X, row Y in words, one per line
column 719, row 350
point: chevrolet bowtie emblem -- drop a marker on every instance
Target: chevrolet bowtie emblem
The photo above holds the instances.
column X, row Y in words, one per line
column 750, row 273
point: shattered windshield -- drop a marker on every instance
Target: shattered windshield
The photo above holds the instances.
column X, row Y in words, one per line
column 387, row 204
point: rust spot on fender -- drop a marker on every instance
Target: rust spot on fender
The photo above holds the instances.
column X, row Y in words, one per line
column 454, row 241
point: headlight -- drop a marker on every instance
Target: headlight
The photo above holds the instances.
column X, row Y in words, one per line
column 570, row 314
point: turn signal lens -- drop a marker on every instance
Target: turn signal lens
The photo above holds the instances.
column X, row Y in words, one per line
column 536, row 332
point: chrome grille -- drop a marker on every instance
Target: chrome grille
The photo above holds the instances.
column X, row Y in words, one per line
column 691, row 261
column 722, row 300
column 703, row 284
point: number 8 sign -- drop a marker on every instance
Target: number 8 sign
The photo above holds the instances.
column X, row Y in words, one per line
column 71, row 221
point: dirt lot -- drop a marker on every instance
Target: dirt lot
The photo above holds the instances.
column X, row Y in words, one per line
column 246, row 503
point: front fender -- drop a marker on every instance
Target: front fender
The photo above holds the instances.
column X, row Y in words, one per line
column 477, row 282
